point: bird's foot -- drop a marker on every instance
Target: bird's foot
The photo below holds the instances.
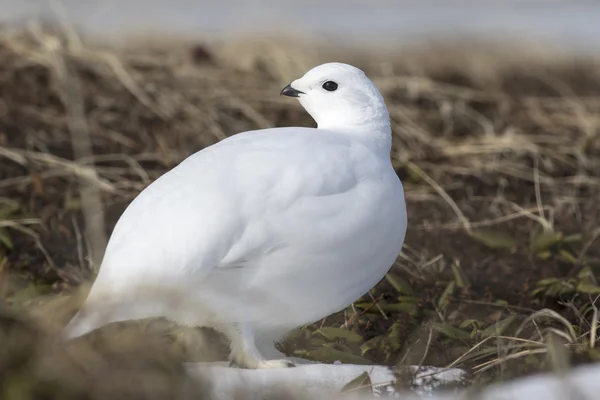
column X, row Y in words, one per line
column 244, row 353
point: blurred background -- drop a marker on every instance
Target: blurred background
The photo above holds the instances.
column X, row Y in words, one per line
column 564, row 23
column 495, row 109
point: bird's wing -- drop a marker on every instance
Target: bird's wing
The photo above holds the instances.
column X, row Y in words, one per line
column 192, row 219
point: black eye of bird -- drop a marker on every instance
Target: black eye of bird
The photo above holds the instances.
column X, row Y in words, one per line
column 330, row 86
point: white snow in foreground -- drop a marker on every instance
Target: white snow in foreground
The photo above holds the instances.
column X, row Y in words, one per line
column 313, row 380
column 324, row 381
column 582, row 383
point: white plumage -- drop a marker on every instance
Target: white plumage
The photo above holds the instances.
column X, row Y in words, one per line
column 265, row 231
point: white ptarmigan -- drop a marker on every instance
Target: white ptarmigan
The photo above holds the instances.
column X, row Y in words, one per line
column 266, row 230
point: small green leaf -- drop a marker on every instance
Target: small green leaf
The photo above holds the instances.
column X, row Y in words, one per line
column 561, row 287
column 333, row 333
column 400, row 284
column 547, row 281
column 364, row 305
column 587, row 274
column 302, row 353
column 407, row 308
column 395, row 334
column 494, row 239
column 327, row 354
column 587, row 288
column 317, row 342
column 389, row 343
column 451, row 331
column 537, row 230
column 545, row 241
column 459, row 275
column 567, row 256
column 298, row 334
column 445, row 297
column 499, row 327
column 8, row 208
column 408, row 299
column 360, row 385
column 574, row 238
column 473, row 323
column 340, row 347
column 544, row 255
column 371, row 344
column 5, row 239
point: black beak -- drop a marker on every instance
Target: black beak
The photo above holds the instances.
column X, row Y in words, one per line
column 290, row 91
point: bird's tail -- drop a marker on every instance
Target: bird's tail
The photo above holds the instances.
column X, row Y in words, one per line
column 171, row 303
column 78, row 326
column 95, row 313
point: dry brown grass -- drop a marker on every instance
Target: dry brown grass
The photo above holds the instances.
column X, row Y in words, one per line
column 498, row 148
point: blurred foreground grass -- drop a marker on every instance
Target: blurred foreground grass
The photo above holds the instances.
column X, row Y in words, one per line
column 498, row 148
